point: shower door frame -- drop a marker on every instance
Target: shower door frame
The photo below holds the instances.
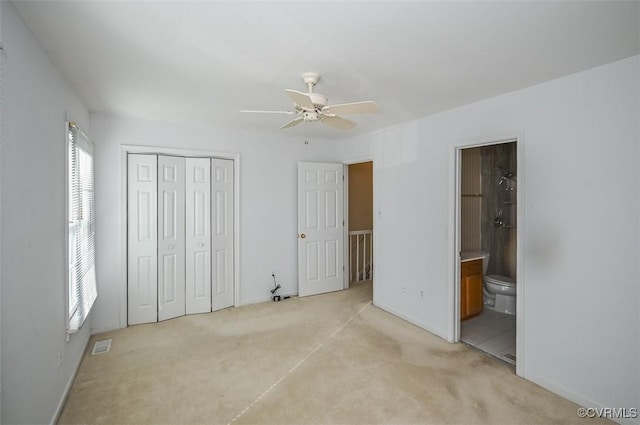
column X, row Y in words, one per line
column 455, row 180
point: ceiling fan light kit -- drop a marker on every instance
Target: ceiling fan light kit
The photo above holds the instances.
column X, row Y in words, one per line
column 311, row 107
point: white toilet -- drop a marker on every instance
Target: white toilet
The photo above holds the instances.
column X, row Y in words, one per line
column 500, row 293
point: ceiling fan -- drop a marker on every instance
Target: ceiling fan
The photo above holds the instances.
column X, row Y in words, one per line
column 312, row 106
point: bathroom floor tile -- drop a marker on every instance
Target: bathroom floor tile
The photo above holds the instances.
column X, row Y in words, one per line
column 473, row 337
column 475, row 333
column 489, row 316
column 498, row 343
column 491, row 332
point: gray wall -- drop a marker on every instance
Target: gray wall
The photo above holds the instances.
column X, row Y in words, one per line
column 35, row 100
column 500, row 242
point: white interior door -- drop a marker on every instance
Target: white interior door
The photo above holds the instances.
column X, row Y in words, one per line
column 320, row 228
column 142, row 241
column 222, row 229
column 198, row 235
column 171, row 237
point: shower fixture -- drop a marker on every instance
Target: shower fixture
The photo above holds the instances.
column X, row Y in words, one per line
column 499, row 221
column 506, row 175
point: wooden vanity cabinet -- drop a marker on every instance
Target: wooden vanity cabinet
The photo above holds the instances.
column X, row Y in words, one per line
column 470, row 288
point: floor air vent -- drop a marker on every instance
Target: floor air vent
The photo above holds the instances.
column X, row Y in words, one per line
column 101, row 347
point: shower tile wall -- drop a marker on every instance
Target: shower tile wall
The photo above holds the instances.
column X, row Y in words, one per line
column 471, row 202
column 482, row 200
column 500, row 242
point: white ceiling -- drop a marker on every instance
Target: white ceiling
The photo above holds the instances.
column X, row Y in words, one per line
column 201, row 62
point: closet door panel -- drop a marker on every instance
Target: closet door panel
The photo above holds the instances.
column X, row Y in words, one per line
column 198, row 235
column 142, row 241
column 222, row 237
column 171, row 237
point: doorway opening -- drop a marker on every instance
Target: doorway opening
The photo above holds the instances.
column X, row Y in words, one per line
column 487, row 248
column 335, row 227
column 359, row 246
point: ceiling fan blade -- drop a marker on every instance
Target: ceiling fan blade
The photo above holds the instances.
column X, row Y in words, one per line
column 338, row 122
column 301, row 99
column 293, row 122
column 267, row 112
column 366, row 107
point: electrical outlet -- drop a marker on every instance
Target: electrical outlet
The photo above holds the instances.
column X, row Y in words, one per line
column 422, row 294
column 404, row 289
column 59, row 359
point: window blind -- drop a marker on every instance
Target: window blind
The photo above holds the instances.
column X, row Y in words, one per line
column 82, row 288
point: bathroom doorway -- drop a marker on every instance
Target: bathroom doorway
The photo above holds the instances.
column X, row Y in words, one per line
column 487, row 241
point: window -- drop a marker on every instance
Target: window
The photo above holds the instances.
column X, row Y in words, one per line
column 82, row 270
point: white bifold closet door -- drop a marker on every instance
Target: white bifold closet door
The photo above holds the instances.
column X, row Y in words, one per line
column 198, row 232
column 222, row 238
column 171, row 237
column 180, row 236
column 142, row 239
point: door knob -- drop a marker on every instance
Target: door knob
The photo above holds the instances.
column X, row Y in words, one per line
column 201, row 244
column 302, row 235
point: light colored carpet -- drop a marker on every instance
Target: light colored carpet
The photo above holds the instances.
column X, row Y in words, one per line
column 327, row 359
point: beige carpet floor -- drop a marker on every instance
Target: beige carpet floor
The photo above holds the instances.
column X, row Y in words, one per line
column 327, row 359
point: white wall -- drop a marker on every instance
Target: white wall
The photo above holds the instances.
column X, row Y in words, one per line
column 35, row 100
column 580, row 136
column 268, row 192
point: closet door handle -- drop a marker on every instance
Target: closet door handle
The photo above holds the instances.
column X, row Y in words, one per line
column 170, row 247
column 201, row 245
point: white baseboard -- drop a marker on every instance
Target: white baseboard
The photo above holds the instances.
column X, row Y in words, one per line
column 265, row 299
column 101, row 330
column 579, row 399
column 67, row 388
column 554, row 388
column 413, row 322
